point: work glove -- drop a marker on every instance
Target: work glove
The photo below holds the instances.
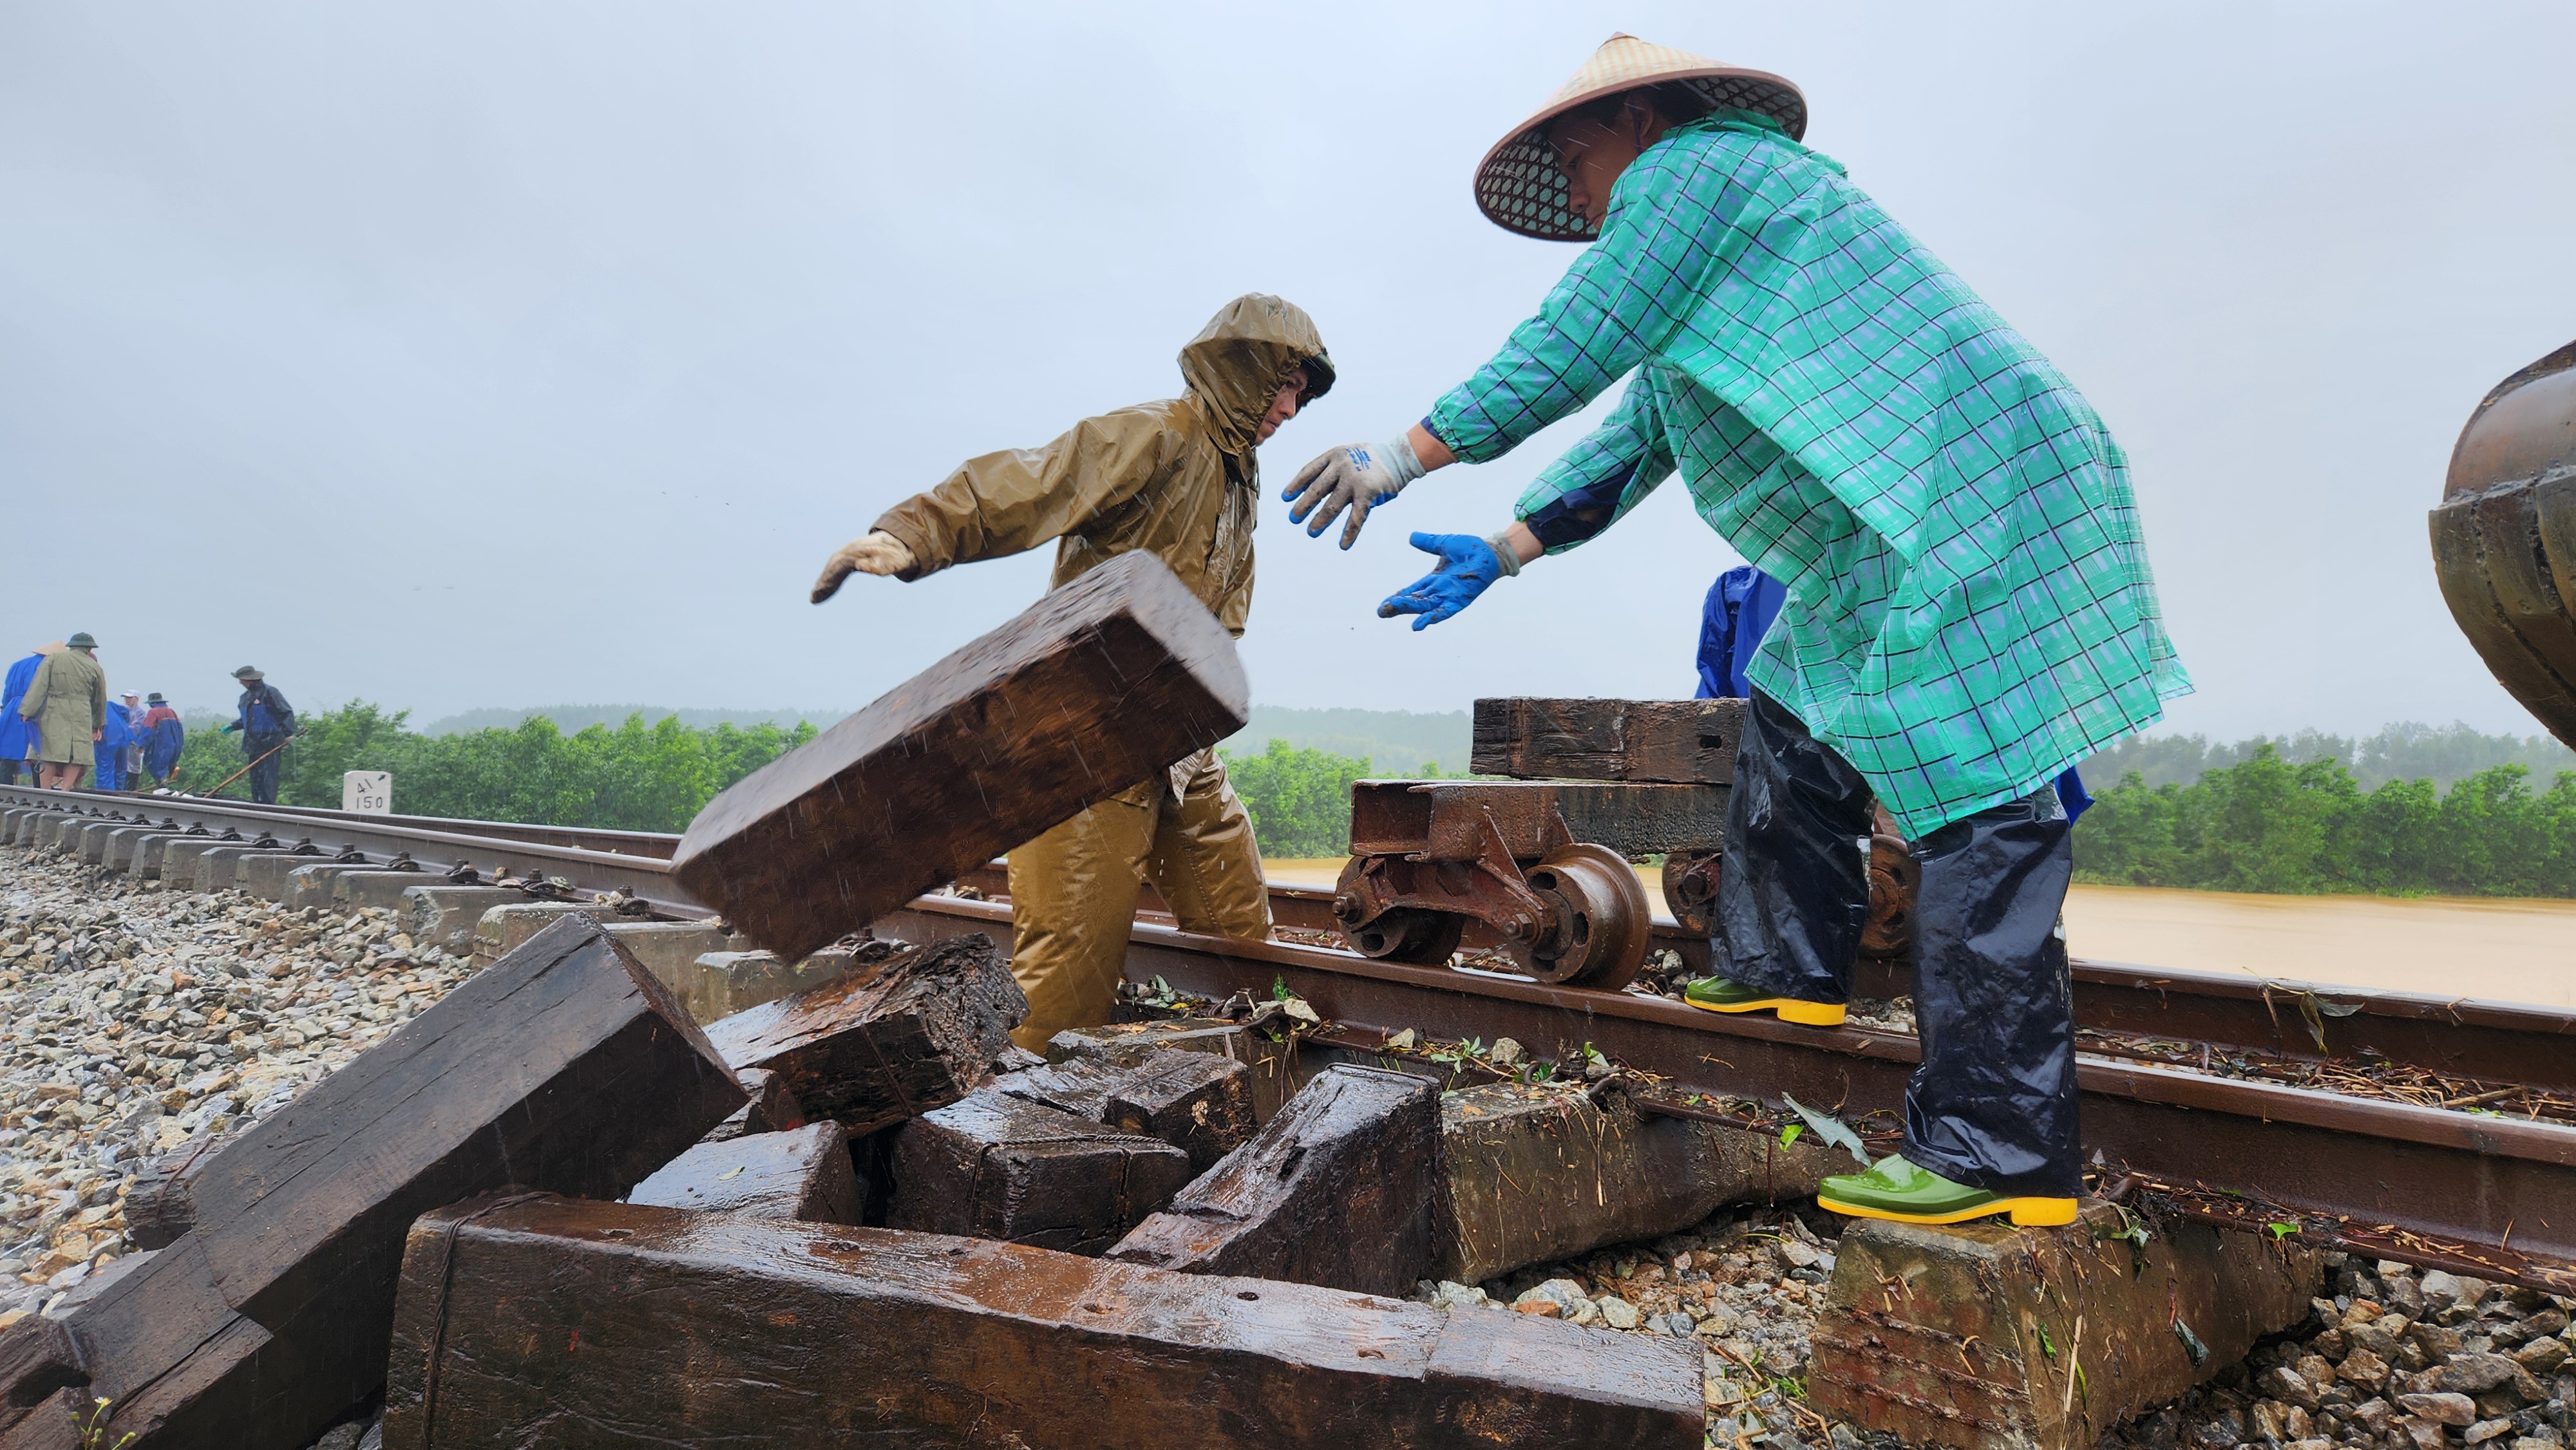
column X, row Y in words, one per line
column 1467, row 566
column 878, row 553
column 1356, row 476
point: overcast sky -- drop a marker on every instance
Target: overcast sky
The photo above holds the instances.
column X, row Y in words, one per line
column 470, row 355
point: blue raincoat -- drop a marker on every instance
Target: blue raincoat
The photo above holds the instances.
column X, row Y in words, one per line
column 16, row 734
column 162, row 742
column 1741, row 605
column 1738, row 612
column 109, row 772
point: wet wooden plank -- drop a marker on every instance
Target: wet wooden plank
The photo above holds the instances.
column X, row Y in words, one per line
column 564, row 1065
column 999, row 1167
column 1198, row 1102
column 157, row 1204
column 802, row 1173
column 1337, row 1190
column 870, row 1050
column 1095, row 687
column 691, row 1332
column 1673, row 742
column 1272, row 1064
column 772, row 1109
column 38, row 1359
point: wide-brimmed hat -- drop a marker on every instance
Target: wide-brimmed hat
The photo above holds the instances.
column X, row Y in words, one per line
column 81, row 641
column 1520, row 187
column 153, row 699
column 248, row 672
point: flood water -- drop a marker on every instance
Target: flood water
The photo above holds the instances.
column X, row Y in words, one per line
column 2509, row 950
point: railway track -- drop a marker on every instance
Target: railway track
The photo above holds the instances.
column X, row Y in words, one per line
column 2272, row 1105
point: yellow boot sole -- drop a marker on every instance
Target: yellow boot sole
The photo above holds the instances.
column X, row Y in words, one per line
column 2026, row 1212
column 1804, row 1014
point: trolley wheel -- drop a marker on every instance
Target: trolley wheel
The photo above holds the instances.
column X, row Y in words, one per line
column 1409, row 935
column 1690, row 888
column 1895, row 878
column 1600, row 925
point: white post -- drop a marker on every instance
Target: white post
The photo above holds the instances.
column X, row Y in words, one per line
column 370, row 792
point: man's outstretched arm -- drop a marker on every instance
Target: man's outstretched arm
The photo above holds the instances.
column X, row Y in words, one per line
column 1007, row 502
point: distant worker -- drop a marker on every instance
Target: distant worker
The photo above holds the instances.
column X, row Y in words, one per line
column 17, row 736
column 129, row 766
column 164, row 738
column 1177, row 479
column 67, row 698
column 1737, row 613
column 1967, row 606
column 265, row 724
column 114, row 735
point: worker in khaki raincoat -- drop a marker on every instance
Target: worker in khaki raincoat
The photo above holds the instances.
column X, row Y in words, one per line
column 1965, row 611
column 68, row 701
column 1178, row 479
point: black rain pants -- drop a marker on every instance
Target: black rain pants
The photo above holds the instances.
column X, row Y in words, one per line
column 263, row 776
column 1993, row 1105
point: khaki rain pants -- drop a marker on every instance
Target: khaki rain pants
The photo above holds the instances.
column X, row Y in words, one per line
column 1074, row 890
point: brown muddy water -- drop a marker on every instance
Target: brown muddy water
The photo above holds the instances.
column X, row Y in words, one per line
column 2504, row 950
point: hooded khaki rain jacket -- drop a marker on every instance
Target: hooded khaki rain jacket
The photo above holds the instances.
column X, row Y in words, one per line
column 1175, row 478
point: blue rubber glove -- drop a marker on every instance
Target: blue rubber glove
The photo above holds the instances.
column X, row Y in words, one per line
column 1468, row 565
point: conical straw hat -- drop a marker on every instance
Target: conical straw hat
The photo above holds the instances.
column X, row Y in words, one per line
column 1519, row 184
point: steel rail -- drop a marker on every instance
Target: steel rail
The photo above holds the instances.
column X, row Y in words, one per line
column 2502, row 1189
column 2487, row 1042
column 388, row 841
column 629, row 843
column 2496, row 1042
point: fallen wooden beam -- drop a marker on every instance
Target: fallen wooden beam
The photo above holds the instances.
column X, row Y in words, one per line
column 1531, row 1174
column 39, row 1361
column 1125, row 1044
column 1097, row 686
column 997, row 1167
column 804, row 1173
column 1673, row 742
column 1968, row 1335
column 772, row 1108
column 1198, row 1102
column 1337, row 1190
column 555, row 1322
column 157, row 1204
column 564, row 1066
column 875, row 1048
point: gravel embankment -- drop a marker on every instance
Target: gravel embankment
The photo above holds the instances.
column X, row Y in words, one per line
column 1746, row 1285
column 137, row 1019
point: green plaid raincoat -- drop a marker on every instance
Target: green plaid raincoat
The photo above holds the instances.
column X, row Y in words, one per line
column 1969, row 605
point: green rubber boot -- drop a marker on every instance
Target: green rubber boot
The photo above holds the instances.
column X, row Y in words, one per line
column 1718, row 994
column 1900, row 1192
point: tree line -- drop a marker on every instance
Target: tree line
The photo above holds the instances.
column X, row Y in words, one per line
column 636, row 777
column 639, row 777
column 2271, row 824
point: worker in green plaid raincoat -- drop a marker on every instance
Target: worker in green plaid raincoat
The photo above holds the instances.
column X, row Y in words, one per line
column 1969, row 609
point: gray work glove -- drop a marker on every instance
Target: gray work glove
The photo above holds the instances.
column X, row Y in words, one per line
column 1356, row 476
column 877, row 553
